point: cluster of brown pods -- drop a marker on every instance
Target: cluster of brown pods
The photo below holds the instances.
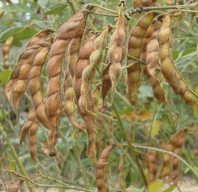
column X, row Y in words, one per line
column 147, row 45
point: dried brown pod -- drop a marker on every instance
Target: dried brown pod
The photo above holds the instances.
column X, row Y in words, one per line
column 101, row 170
column 165, row 38
column 31, row 125
column 101, row 131
column 167, row 66
column 150, row 160
column 82, row 63
column 115, row 51
column 6, row 48
column 122, row 174
column 26, row 127
column 72, row 29
column 32, row 138
column 148, row 3
column 176, row 162
column 15, row 186
column 180, row 2
column 85, row 103
column 17, row 84
column 106, row 82
column 35, row 82
column 137, row 3
column 89, row 72
column 134, row 49
column 69, row 107
column 150, row 57
column 95, row 97
column 174, row 143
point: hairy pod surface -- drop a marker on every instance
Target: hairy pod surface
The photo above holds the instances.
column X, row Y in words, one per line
column 6, row 48
column 26, row 127
column 175, row 142
column 31, row 125
column 69, row 31
column 17, row 84
column 176, row 162
column 15, row 186
column 82, row 63
column 134, row 49
column 32, row 138
column 151, row 164
column 86, row 106
column 101, row 170
column 153, row 29
column 165, row 55
column 35, row 82
column 69, row 107
column 117, row 49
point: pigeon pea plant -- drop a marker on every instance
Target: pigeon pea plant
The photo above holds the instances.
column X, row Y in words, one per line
column 112, row 130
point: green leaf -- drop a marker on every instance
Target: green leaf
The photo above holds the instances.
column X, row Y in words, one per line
column 126, row 110
column 20, row 33
column 86, row 162
column 155, row 128
column 171, row 188
column 156, row 186
column 175, row 54
column 12, row 9
column 19, row 8
column 56, row 10
column 5, row 75
column 188, row 51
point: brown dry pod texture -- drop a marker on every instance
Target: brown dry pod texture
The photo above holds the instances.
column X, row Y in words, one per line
column 151, row 164
column 173, row 144
column 115, row 51
column 15, row 186
column 134, row 49
column 101, row 170
column 165, row 39
column 35, row 82
column 32, row 138
column 31, row 125
column 69, row 107
column 6, row 48
column 26, row 127
column 72, row 29
column 152, row 56
column 89, row 72
column 82, row 63
column 148, row 3
column 176, row 162
column 167, row 66
column 18, row 80
column 86, row 106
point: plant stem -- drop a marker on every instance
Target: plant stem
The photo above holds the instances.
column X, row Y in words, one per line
column 72, row 5
column 134, row 58
column 102, row 14
column 86, row 183
column 193, row 5
column 20, row 164
column 104, row 8
column 133, row 153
